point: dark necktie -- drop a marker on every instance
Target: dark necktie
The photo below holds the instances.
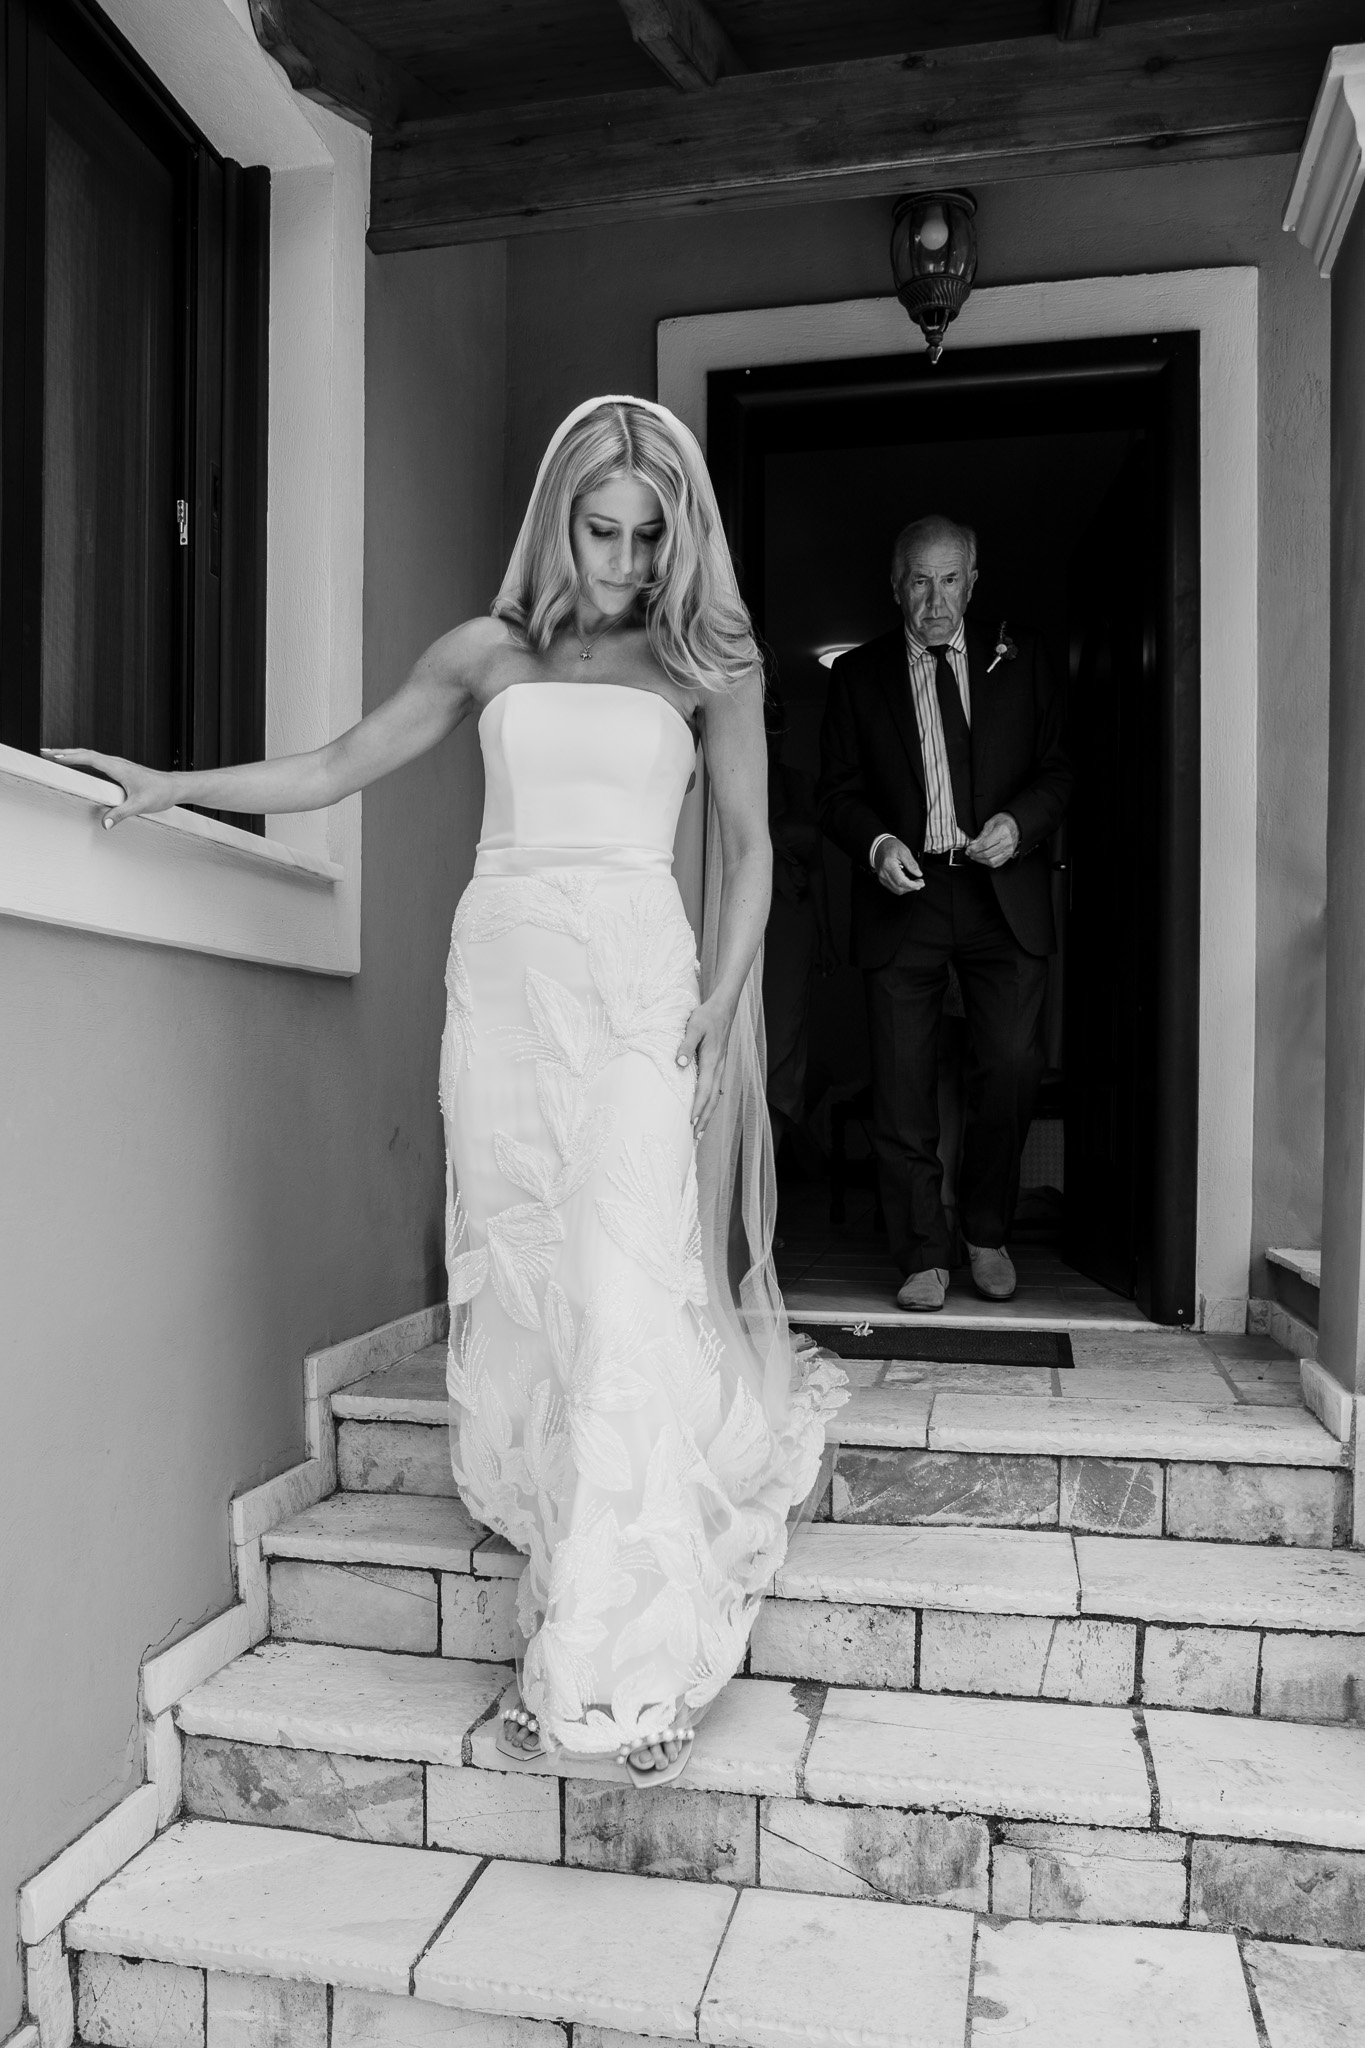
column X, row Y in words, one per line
column 957, row 739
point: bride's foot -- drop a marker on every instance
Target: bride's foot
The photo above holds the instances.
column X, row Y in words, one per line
column 521, row 1731
column 659, row 1754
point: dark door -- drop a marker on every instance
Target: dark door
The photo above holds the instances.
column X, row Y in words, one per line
column 1132, row 962
column 1131, row 1017
column 1110, row 857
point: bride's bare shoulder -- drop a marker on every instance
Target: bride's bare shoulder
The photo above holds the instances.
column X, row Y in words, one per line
column 468, row 653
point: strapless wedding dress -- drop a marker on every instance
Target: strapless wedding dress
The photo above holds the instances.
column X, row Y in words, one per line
column 611, row 1416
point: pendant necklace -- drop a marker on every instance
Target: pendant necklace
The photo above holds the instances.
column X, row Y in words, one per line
column 588, row 645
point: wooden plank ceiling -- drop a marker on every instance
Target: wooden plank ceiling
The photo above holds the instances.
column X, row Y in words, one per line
column 497, row 117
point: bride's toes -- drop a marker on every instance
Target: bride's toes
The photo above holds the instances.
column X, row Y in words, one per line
column 664, row 1750
column 521, row 1728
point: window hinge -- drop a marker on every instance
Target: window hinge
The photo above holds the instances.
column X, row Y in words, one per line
column 182, row 520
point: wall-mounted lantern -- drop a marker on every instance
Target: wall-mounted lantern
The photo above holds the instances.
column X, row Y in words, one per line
column 933, row 259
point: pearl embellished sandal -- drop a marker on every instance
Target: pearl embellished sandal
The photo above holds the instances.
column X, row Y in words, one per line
column 517, row 1715
column 664, row 1774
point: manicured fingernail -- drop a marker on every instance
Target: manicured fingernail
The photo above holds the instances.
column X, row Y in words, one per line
column 107, row 823
column 683, row 1059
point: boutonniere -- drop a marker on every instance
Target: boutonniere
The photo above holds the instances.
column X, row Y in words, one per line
column 1005, row 649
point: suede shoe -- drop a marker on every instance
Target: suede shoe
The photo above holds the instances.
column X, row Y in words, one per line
column 924, row 1291
column 993, row 1271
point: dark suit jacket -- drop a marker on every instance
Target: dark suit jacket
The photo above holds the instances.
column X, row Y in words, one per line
column 872, row 780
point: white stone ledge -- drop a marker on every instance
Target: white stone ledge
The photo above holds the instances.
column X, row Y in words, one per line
column 93, row 791
column 325, row 1372
column 1328, row 1399
column 166, row 1678
column 340, row 1365
column 1307, row 1263
column 161, row 1765
column 278, row 1498
column 1272, row 1319
column 251, row 1579
column 59, row 1888
column 177, row 879
column 1222, row 1314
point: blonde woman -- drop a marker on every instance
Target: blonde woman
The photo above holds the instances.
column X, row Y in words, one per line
column 639, row 1430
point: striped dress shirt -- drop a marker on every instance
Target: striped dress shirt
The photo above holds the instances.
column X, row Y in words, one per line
column 942, row 832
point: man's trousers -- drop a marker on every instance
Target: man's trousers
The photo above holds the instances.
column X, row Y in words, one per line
column 954, row 918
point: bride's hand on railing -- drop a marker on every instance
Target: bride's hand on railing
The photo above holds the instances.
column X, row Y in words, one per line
column 705, row 1041
column 144, row 789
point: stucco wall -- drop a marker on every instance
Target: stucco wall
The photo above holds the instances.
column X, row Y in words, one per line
column 1341, row 1344
column 207, row 1168
column 582, row 313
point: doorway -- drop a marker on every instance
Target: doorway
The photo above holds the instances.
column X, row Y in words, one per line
column 1077, row 463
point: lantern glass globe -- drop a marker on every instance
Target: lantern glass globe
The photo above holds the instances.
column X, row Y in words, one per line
column 933, row 259
column 933, row 231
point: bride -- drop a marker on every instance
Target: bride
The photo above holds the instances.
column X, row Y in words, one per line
column 628, row 1409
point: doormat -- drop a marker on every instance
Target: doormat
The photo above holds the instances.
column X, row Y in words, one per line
column 941, row 1347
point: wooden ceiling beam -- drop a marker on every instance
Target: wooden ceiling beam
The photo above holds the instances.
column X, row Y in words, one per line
column 1237, row 82
column 1077, row 19
column 684, row 39
column 328, row 62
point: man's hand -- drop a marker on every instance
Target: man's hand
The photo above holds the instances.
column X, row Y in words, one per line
column 996, row 842
column 897, row 869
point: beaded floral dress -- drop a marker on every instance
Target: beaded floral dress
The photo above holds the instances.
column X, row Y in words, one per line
column 615, row 1412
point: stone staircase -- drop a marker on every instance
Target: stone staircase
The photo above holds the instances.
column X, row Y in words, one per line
column 1050, row 1732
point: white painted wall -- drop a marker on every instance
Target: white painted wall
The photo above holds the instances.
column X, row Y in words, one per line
column 207, row 1167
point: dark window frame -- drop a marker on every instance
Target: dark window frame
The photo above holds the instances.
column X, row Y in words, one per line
column 220, row 396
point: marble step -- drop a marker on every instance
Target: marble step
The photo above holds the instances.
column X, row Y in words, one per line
column 924, row 1450
column 1023, row 1613
column 1206, row 1819
column 216, row 1935
column 920, row 1407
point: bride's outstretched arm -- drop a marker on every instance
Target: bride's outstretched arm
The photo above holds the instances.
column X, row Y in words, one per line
column 737, row 759
column 420, row 713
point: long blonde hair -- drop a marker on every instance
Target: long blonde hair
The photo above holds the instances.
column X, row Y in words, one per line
column 697, row 625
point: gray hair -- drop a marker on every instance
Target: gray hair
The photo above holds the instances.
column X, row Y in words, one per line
column 933, row 526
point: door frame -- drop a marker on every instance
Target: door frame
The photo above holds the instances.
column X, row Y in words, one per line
column 1221, row 305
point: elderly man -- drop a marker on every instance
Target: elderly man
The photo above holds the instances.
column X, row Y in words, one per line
column 943, row 779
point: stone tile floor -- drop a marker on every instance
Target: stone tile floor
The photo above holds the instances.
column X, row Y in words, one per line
column 297, row 1734
column 274, row 1903
column 827, row 1268
column 595, row 1945
column 1309, row 1997
column 1146, row 1362
column 1080, row 1987
column 1151, row 1366
column 249, row 1927
column 268, row 1931
column 982, row 1756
